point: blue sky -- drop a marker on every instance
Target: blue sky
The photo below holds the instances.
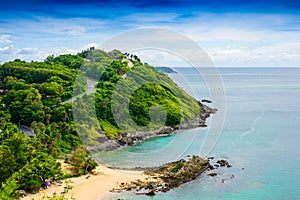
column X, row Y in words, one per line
column 234, row 33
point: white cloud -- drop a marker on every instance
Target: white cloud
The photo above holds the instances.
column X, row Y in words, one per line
column 56, row 27
column 241, row 27
column 73, row 30
column 143, row 18
column 41, row 26
column 160, row 58
column 230, row 39
column 280, row 54
column 247, row 39
column 10, row 53
column 27, row 51
column 5, row 39
column 6, row 50
column 90, row 45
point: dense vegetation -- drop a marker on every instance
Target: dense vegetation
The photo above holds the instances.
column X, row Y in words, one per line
column 130, row 95
column 32, row 94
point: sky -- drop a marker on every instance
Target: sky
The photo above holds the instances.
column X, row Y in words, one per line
column 234, row 33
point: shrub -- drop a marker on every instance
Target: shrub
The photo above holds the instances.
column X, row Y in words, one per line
column 177, row 167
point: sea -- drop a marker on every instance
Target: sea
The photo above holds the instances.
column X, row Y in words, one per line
column 260, row 137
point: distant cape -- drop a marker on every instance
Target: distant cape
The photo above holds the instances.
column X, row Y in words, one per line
column 165, row 69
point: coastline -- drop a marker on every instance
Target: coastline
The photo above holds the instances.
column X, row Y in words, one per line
column 143, row 181
column 95, row 187
column 108, row 178
column 131, row 138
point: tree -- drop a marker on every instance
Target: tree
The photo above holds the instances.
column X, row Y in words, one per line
column 90, row 164
column 15, row 110
column 7, row 163
column 81, row 163
column 51, row 88
column 8, row 189
column 40, row 169
column 59, row 114
column 77, row 159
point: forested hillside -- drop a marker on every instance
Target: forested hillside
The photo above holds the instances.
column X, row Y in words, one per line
column 33, row 95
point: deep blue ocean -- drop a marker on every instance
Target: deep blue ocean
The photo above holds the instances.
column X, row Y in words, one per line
column 260, row 139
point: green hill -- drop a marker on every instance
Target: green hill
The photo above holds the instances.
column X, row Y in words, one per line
column 130, row 96
column 133, row 92
column 32, row 93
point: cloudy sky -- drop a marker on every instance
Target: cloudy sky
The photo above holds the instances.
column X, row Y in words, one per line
column 234, row 33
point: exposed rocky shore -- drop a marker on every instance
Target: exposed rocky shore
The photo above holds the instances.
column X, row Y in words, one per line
column 128, row 139
column 166, row 177
column 172, row 175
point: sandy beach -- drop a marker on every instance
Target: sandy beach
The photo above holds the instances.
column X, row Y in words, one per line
column 95, row 187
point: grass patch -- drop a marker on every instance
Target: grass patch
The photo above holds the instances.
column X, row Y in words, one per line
column 67, row 175
column 110, row 130
column 177, row 167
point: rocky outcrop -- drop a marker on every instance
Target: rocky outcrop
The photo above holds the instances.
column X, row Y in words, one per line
column 212, row 174
column 219, row 163
column 206, row 101
column 166, row 177
column 207, row 111
column 106, row 145
column 223, row 163
column 138, row 136
column 188, row 172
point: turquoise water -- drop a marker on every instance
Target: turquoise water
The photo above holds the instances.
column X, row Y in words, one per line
column 260, row 138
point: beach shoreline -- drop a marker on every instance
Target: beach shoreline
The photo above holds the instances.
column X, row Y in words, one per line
column 95, row 187
column 144, row 181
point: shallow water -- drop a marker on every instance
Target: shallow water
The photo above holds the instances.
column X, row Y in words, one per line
column 260, row 139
